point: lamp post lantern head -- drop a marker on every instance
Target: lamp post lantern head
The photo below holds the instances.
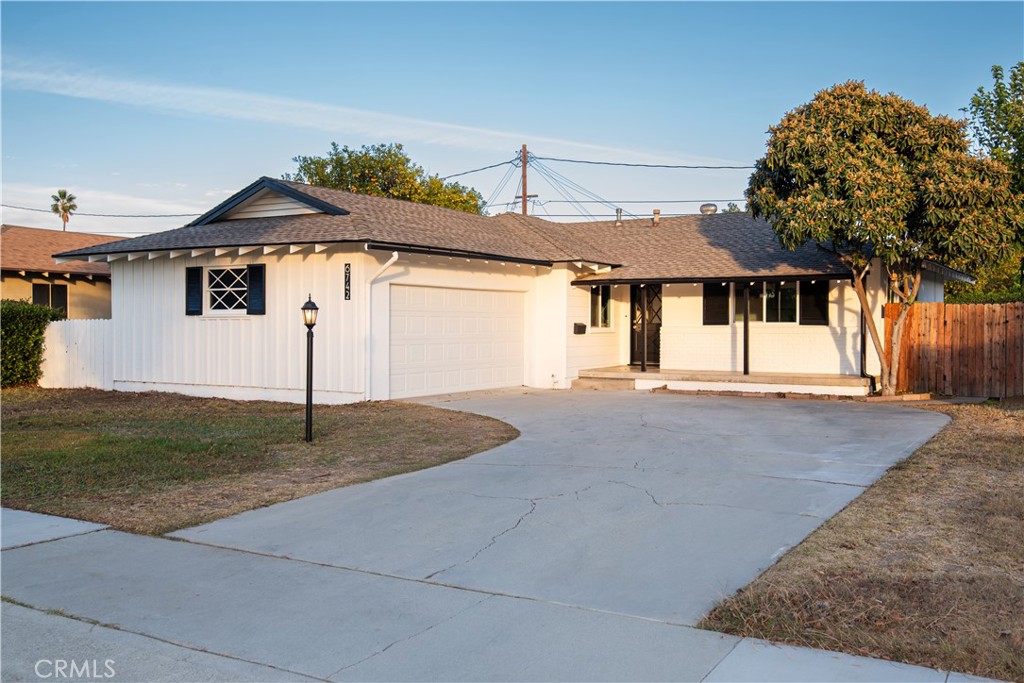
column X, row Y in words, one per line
column 309, row 310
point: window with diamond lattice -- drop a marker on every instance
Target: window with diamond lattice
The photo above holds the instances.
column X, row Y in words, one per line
column 227, row 288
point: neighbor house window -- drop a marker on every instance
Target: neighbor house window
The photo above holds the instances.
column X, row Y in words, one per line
column 225, row 290
column 55, row 296
column 780, row 302
column 814, row 303
column 716, row 304
column 601, row 306
column 756, row 302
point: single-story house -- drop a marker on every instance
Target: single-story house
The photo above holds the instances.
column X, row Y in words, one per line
column 28, row 271
column 418, row 300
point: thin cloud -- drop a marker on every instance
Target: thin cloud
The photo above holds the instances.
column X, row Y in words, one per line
column 59, row 79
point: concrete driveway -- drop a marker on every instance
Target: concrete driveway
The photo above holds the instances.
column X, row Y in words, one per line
column 584, row 550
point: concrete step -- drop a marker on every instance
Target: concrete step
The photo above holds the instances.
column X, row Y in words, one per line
column 605, row 384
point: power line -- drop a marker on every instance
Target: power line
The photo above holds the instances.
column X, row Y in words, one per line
column 108, row 215
column 620, row 163
column 475, row 170
column 643, row 201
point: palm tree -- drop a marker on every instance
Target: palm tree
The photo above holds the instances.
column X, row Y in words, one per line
column 64, row 205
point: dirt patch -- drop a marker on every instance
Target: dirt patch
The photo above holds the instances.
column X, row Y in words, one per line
column 925, row 567
column 156, row 462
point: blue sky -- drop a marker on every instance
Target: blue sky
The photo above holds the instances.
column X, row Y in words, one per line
column 169, row 107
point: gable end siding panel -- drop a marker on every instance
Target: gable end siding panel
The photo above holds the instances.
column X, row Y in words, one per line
column 268, row 204
column 448, row 340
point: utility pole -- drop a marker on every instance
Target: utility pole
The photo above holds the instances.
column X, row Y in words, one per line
column 523, row 159
column 523, row 162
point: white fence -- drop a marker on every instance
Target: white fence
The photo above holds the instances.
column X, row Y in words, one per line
column 78, row 353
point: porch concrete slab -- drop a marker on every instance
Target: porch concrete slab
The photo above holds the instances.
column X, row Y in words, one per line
column 759, row 661
column 506, row 639
column 35, row 643
column 298, row 617
column 20, row 527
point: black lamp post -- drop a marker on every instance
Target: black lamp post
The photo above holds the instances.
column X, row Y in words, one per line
column 309, row 310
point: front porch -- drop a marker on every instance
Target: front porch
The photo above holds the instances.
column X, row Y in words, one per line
column 625, row 377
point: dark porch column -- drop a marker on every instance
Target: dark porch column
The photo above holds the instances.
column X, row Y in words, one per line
column 746, row 329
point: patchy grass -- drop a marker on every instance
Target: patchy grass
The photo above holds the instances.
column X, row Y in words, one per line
column 926, row 567
column 155, row 462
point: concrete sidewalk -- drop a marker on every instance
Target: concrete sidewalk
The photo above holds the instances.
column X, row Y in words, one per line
column 584, row 550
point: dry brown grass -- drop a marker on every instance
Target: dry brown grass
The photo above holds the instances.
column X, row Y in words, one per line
column 154, row 462
column 926, row 567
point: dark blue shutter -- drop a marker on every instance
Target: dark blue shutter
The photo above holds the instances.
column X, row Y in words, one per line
column 194, row 291
column 257, row 282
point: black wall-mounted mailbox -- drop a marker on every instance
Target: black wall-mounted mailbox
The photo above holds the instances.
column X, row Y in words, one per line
column 579, row 328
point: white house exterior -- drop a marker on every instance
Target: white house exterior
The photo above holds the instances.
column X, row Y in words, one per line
column 417, row 300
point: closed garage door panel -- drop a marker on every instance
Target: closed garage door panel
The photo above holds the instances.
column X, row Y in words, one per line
column 445, row 340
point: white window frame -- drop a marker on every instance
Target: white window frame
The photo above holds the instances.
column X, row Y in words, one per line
column 209, row 292
column 603, row 293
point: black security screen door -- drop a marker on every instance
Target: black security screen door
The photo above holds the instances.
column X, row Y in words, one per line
column 645, row 308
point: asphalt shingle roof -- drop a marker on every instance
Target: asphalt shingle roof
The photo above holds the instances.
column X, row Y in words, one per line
column 32, row 249
column 694, row 247
column 704, row 247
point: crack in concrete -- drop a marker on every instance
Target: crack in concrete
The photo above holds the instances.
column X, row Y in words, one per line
column 480, row 495
column 494, row 539
column 410, row 637
column 816, row 481
column 639, row 488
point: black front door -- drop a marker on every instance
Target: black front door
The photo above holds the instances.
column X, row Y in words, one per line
column 645, row 306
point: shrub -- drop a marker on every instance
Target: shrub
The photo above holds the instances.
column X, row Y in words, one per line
column 22, row 328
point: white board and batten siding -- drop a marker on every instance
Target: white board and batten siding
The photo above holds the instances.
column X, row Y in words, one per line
column 157, row 347
column 446, row 340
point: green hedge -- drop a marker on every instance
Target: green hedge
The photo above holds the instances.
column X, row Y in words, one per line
column 22, row 328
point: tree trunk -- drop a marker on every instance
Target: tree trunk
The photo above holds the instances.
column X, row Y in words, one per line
column 865, row 307
column 908, row 299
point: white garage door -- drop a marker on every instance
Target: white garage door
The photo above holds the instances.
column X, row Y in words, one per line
column 445, row 340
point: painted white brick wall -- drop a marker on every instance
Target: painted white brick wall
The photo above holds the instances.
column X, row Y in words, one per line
column 687, row 344
column 599, row 347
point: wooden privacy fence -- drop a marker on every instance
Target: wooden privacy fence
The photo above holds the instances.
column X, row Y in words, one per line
column 961, row 349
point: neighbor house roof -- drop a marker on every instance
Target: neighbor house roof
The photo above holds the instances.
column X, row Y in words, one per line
column 685, row 248
column 31, row 250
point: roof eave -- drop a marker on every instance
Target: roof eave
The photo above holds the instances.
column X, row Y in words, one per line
column 599, row 280
column 948, row 273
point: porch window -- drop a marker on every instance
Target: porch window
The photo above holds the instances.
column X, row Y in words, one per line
column 226, row 290
column 54, row 296
column 756, row 302
column 600, row 306
column 716, row 304
column 814, row 303
column 780, row 302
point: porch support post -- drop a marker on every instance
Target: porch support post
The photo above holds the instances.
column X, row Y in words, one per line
column 746, row 329
column 643, row 329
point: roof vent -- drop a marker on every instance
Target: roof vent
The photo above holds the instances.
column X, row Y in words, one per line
column 657, row 217
column 618, row 218
column 708, row 209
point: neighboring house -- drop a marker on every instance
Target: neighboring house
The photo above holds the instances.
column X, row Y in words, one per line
column 417, row 300
column 29, row 271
